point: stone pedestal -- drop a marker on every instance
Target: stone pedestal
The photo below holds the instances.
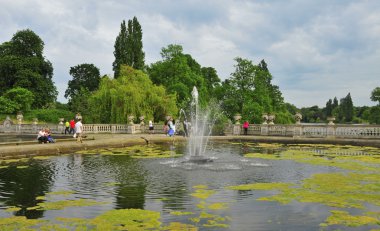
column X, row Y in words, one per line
column 264, row 130
column 131, row 129
column 7, row 125
column 236, row 129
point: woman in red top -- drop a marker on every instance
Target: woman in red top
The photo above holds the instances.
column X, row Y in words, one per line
column 72, row 126
column 245, row 126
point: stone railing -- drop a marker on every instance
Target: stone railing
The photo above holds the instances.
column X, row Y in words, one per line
column 295, row 130
column 310, row 130
column 88, row 128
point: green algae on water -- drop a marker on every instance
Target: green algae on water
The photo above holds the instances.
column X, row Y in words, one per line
column 137, row 151
column 261, row 186
column 344, row 218
column 180, row 213
column 203, row 193
column 58, row 205
column 134, row 219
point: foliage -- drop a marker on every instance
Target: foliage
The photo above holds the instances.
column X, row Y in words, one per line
column 48, row 115
column 179, row 73
column 133, row 93
column 249, row 92
column 375, row 95
column 128, row 47
column 7, row 106
column 85, row 76
column 346, row 109
column 79, row 103
column 374, row 115
column 22, row 97
column 219, row 125
column 22, row 64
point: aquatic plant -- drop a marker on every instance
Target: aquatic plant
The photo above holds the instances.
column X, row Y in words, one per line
column 137, row 151
column 344, row 218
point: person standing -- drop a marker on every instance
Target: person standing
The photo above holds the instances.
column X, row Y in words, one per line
column 151, row 128
column 79, row 130
column 245, row 126
column 67, row 127
column 72, row 126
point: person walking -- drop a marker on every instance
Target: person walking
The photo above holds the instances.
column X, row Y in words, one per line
column 245, row 126
column 67, row 127
column 72, row 126
column 79, row 130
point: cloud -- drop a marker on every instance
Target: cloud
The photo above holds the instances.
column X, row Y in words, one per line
column 315, row 50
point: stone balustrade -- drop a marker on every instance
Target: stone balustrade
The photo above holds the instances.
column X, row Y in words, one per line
column 312, row 130
column 294, row 130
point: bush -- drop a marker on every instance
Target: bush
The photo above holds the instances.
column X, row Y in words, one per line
column 7, row 106
column 219, row 125
column 49, row 115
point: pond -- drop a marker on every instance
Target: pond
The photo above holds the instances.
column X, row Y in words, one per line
column 246, row 186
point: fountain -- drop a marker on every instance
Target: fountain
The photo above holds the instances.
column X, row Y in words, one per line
column 199, row 129
column 199, row 153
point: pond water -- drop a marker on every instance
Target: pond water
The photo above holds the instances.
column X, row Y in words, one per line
column 191, row 196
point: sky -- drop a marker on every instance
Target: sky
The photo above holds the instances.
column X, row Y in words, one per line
column 315, row 50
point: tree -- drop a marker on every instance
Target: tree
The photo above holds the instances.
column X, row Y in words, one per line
column 375, row 95
column 212, row 79
column 249, row 92
column 84, row 76
column 133, row 93
column 128, row 47
column 329, row 108
column 179, row 73
column 346, row 109
column 243, row 80
column 22, row 97
column 22, row 64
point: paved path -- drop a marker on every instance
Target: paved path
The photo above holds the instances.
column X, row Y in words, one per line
column 69, row 145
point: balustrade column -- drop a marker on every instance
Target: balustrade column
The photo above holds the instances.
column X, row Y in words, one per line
column 236, row 129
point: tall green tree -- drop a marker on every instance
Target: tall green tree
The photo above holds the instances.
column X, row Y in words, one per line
column 84, row 76
column 86, row 79
column 22, row 64
column 329, row 108
column 129, row 47
column 243, row 81
column 133, row 93
column 346, row 109
column 179, row 73
column 249, row 92
column 375, row 95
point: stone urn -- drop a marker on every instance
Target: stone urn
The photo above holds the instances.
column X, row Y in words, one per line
column 35, row 121
column 237, row 118
column 19, row 117
column 61, row 121
column 331, row 120
column 271, row 118
column 130, row 119
column 265, row 118
column 142, row 120
column 298, row 117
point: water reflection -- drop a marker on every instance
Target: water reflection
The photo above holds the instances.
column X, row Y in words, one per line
column 20, row 186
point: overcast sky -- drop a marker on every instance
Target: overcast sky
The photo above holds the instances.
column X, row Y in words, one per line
column 315, row 50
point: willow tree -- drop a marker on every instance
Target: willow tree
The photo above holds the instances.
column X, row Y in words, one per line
column 133, row 93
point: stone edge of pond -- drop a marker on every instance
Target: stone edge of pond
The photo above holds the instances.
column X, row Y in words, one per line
column 98, row 141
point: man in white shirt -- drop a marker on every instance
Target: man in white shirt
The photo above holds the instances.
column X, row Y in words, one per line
column 79, row 130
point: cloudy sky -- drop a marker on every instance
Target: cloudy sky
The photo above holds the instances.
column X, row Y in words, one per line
column 315, row 50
